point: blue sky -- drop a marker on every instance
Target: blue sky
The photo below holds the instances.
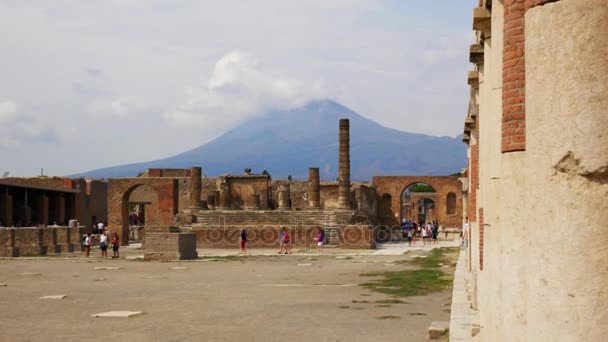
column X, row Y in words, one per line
column 88, row 84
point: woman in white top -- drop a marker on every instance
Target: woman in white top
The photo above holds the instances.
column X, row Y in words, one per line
column 103, row 244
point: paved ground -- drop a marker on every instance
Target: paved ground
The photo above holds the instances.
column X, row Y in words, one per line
column 266, row 297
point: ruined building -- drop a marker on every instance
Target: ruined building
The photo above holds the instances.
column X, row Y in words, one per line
column 216, row 209
column 537, row 178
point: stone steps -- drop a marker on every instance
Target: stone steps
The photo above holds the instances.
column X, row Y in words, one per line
column 272, row 218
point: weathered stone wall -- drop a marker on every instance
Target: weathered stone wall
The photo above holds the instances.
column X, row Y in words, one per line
column 298, row 193
column 365, row 199
column 31, row 241
column 53, row 182
column 329, row 195
column 394, row 186
column 350, row 236
column 170, row 246
column 538, row 249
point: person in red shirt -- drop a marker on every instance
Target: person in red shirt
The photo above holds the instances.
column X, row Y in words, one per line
column 115, row 245
column 286, row 242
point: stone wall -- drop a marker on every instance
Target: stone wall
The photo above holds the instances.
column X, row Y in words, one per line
column 32, row 241
column 537, row 250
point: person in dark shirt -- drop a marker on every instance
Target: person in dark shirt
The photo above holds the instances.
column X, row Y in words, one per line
column 243, row 241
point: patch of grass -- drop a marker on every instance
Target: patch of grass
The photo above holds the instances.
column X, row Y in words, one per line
column 383, row 306
column 391, row 301
column 344, row 307
column 360, row 302
column 417, row 314
column 388, row 317
column 427, row 279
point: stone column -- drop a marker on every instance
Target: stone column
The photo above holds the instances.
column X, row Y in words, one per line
column 344, row 166
column 43, row 209
column 7, row 209
column 255, row 202
column 225, row 196
column 314, row 188
column 195, row 187
column 283, row 197
column 60, row 209
column 211, row 201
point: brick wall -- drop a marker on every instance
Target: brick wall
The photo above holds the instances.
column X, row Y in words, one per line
column 481, row 227
column 474, row 176
column 514, row 74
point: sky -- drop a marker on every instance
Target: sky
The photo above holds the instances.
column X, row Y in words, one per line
column 90, row 84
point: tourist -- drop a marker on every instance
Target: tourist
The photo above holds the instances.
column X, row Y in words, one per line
column 243, row 241
column 115, row 246
column 100, row 227
column 320, row 238
column 103, row 244
column 282, row 240
column 434, row 232
column 286, row 242
column 410, row 234
column 87, row 245
column 424, row 235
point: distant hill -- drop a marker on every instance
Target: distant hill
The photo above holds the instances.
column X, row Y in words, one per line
column 289, row 142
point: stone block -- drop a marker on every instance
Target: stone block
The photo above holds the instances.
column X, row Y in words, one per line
column 170, row 246
column 438, row 330
column 64, row 248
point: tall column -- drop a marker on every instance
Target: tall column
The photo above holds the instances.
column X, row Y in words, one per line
column 43, row 209
column 6, row 206
column 314, row 188
column 344, row 166
column 60, row 210
column 195, row 187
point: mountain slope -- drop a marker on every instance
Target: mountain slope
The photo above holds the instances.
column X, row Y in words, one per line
column 288, row 143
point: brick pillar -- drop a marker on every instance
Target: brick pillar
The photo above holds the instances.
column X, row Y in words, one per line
column 314, row 188
column 217, row 200
column 43, row 211
column 60, row 210
column 344, row 166
column 6, row 202
column 195, row 187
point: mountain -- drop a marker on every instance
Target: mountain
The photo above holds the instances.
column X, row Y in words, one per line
column 289, row 142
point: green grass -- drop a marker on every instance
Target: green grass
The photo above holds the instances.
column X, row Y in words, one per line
column 360, row 302
column 383, row 306
column 428, row 278
column 344, row 307
column 417, row 314
column 388, row 317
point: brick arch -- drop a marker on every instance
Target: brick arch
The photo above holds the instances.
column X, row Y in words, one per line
column 119, row 191
column 395, row 185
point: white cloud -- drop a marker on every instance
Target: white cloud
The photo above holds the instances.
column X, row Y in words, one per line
column 8, row 112
column 115, row 109
column 237, row 90
column 18, row 128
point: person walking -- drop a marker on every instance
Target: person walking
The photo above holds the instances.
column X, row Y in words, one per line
column 320, row 238
column 103, row 245
column 87, row 245
column 282, row 240
column 115, row 246
column 287, row 243
column 243, row 241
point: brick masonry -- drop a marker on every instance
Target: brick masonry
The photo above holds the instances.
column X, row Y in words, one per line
column 170, row 246
column 443, row 185
column 514, row 74
column 481, row 228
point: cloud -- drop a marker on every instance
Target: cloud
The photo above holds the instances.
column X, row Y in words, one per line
column 239, row 89
column 8, row 112
column 115, row 109
column 92, row 71
column 18, row 128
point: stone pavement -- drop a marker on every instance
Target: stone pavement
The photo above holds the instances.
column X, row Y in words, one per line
column 462, row 316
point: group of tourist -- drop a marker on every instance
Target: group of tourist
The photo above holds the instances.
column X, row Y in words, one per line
column 136, row 219
column 103, row 245
column 284, row 240
column 411, row 230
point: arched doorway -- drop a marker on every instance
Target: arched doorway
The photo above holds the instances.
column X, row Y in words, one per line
column 418, row 203
column 142, row 209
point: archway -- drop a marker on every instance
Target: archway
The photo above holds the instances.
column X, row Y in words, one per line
column 417, row 202
column 119, row 194
column 142, row 210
